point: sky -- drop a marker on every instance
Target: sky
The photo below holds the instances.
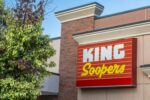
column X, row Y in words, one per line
column 52, row 26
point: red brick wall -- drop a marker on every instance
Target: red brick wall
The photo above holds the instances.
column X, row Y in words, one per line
column 148, row 13
column 68, row 56
column 126, row 18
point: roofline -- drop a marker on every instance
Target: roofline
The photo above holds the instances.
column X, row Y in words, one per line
column 53, row 73
column 119, row 13
column 56, row 38
column 113, row 27
column 79, row 7
column 145, row 66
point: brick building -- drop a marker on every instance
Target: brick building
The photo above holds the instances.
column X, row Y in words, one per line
column 84, row 25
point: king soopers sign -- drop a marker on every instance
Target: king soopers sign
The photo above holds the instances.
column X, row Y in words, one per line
column 109, row 64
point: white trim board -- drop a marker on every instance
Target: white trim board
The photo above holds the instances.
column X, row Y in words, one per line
column 114, row 33
column 79, row 13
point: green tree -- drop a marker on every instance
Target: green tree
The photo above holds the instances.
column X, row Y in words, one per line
column 23, row 62
column 2, row 24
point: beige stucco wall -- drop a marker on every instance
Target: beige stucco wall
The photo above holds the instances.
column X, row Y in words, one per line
column 56, row 45
column 142, row 92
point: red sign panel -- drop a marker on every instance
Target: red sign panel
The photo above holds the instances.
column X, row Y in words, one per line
column 108, row 64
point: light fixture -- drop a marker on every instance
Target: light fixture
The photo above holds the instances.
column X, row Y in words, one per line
column 146, row 69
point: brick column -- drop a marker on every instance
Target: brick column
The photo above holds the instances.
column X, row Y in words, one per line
column 79, row 19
